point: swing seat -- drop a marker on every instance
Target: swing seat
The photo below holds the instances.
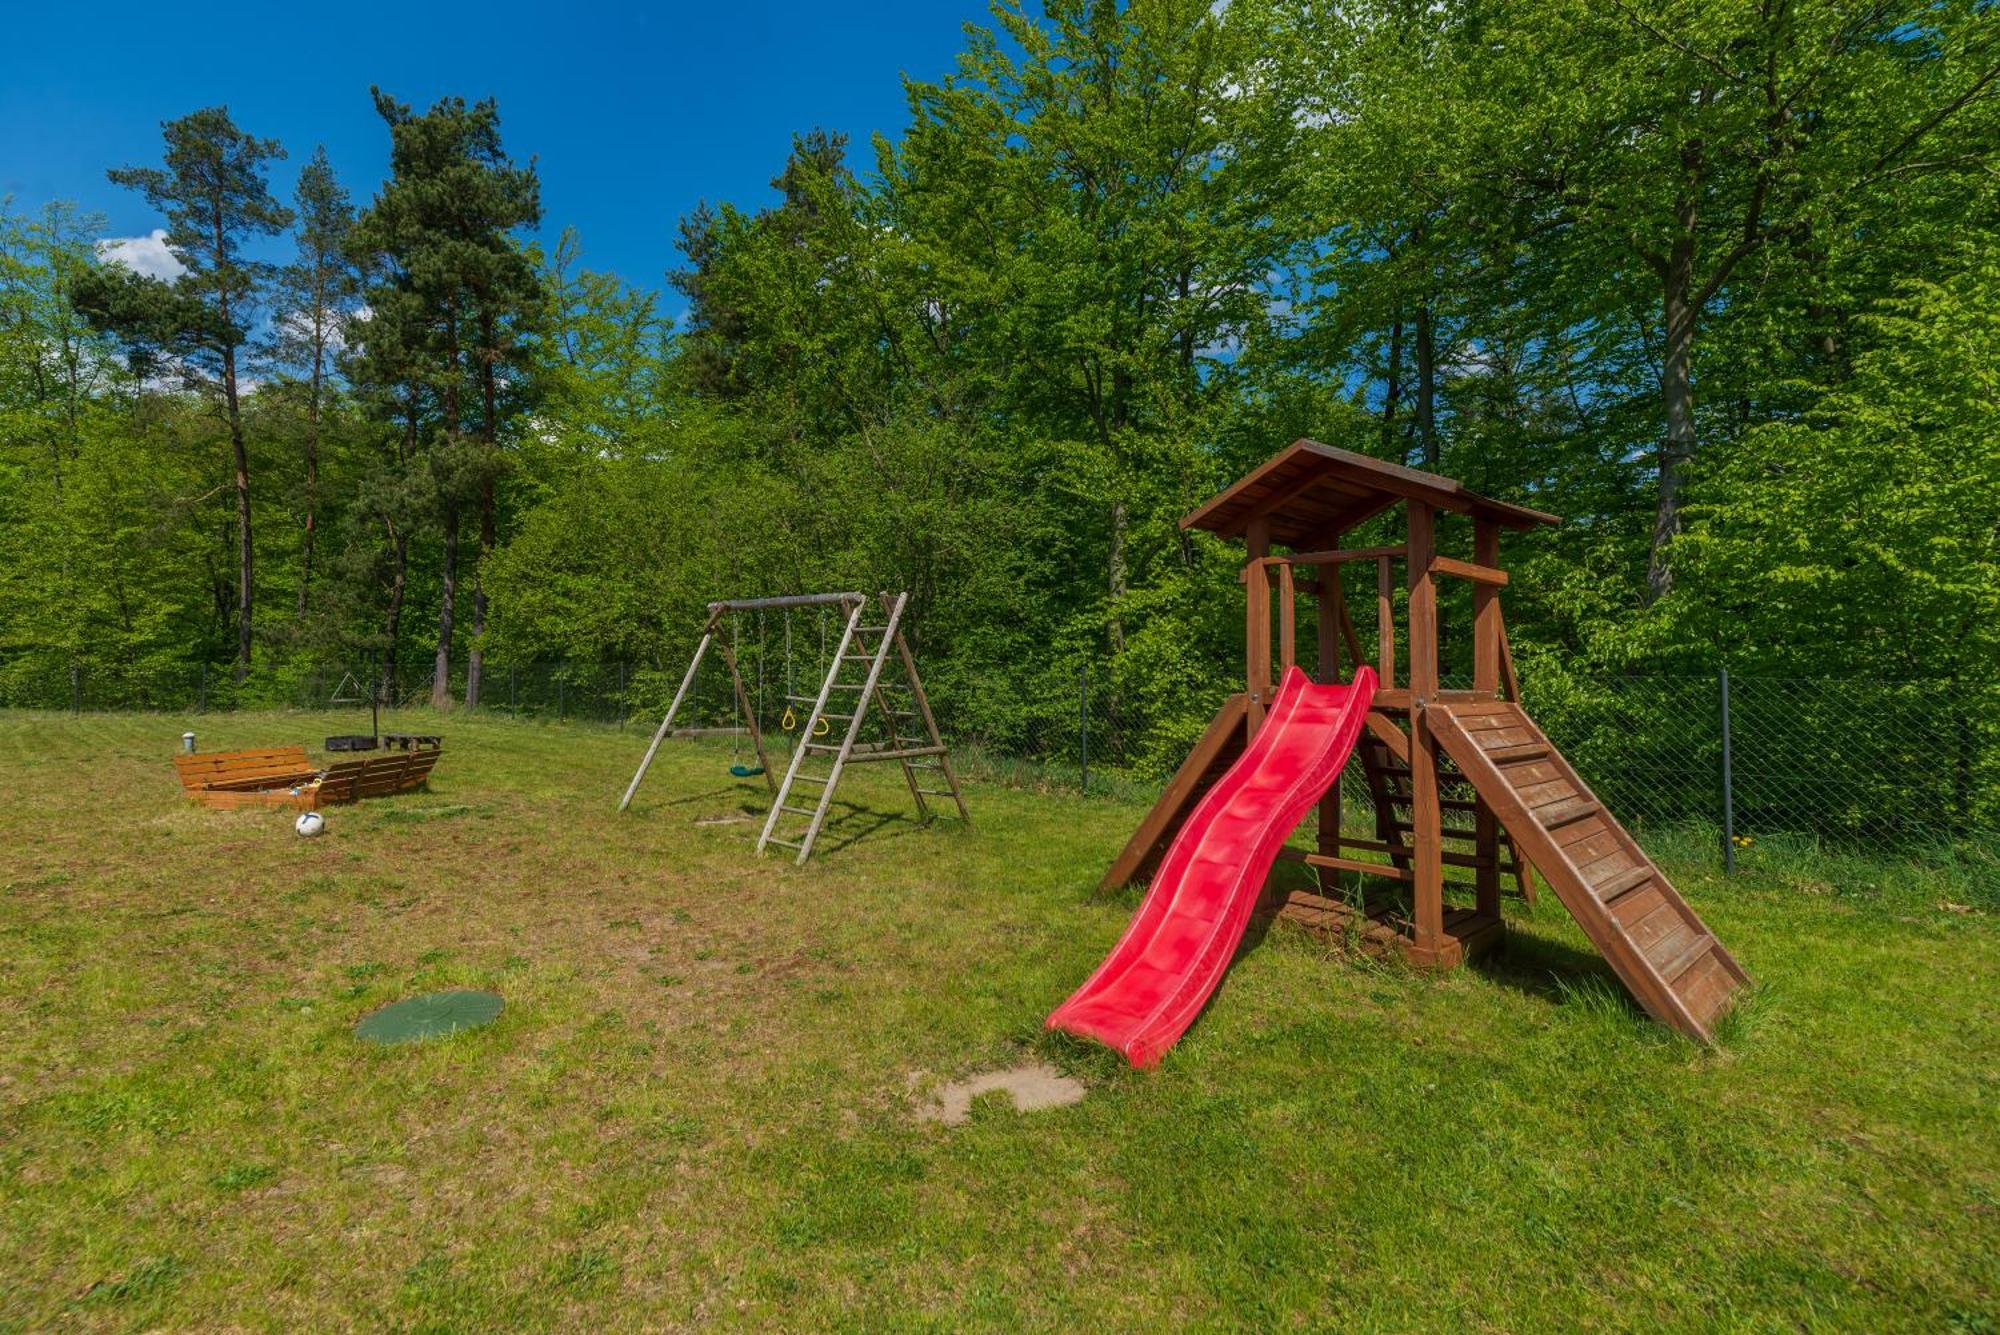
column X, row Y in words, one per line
column 746, row 771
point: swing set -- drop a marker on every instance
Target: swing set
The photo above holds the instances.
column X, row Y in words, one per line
column 907, row 731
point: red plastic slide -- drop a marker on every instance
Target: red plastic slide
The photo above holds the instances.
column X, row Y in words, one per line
column 1156, row 979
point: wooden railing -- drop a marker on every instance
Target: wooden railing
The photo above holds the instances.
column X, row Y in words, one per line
column 1259, row 575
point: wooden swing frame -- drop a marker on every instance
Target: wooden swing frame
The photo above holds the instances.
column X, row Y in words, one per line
column 889, row 657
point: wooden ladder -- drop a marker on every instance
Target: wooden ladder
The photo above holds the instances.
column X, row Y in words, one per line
column 915, row 753
column 1657, row 944
column 1388, row 777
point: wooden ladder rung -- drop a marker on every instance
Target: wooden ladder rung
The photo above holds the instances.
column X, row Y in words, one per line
column 809, row 778
column 937, row 792
column 1572, row 816
column 774, row 839
column 798, row 811
column 859, row 756
column 1681, row 963
column 1447, row 831
column 1622, row 884
column 1507, row 755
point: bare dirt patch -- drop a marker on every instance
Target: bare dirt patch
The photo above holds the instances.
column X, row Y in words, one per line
column 1036, row 1086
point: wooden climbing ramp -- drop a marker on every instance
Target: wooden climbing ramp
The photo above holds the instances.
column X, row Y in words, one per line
column 1660, row 948
column 1220, row 746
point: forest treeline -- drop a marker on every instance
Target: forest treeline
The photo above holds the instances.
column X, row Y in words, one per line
column 1717, row 282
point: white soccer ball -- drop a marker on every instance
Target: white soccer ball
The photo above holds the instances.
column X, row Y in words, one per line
column 309, row 823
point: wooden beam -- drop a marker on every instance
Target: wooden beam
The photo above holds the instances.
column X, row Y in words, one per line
column 1349, row 637
column 1486, row 679
column 1385, row 624
column 1392, row 736
column 1257, row 623
column 1332, row 862
column 1427, row 889
column 716, row 609
column 1221, row 742
column 1287, row 620
column 1478, row 572
column 1337, row 556
column 1330, row 604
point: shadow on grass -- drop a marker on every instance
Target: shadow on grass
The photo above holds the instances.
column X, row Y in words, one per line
column 706, row 795
column 855, row 823
column 1538, row 966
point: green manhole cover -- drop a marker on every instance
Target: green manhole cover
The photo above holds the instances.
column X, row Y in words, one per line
column 431, row 1016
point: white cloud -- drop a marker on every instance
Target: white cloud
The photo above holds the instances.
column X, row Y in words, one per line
column 146, row 254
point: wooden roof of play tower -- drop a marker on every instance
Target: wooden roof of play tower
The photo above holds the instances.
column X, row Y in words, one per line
column 1309, row 492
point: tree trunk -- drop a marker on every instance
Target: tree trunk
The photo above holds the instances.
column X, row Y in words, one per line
column 399, row 547
column 441, row 683
column 1426, row 423
column 1117, row 575
column 312, row 465
column 399, row 552
column 489, row 429
column 1677, row 397
column 448, row 576
column 245, row 556
column 1392, row 390
column 475, row 661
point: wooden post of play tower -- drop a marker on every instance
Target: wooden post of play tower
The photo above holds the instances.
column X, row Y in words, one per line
column 1463, row 773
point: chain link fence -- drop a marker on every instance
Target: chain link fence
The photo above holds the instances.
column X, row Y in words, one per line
column 1854, row 763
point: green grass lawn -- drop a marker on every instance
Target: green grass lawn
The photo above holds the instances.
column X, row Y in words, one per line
column 699, row 1104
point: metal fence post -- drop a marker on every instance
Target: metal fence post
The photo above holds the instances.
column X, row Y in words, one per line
column 76, row 689
column 622, row 711
column 562, row 703
column 1083, row 721
column 201, row 694
column 1728, row 779
column 512, row 672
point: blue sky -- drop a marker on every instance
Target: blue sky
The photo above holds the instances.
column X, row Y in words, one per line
column 634, row 113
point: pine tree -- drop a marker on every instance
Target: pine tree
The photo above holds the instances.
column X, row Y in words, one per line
column 215, row 196
column 452, row 298
column 318, row 292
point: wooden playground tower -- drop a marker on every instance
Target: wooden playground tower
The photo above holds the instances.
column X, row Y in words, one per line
column 1457, row 778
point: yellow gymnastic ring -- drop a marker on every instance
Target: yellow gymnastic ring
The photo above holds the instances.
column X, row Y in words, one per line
column 788, row 722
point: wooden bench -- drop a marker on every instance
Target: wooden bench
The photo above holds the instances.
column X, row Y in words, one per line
column 268, row 777
column 378, row 776
column 261, row 778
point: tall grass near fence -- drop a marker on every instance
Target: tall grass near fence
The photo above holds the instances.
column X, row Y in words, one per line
column 1853, row 764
